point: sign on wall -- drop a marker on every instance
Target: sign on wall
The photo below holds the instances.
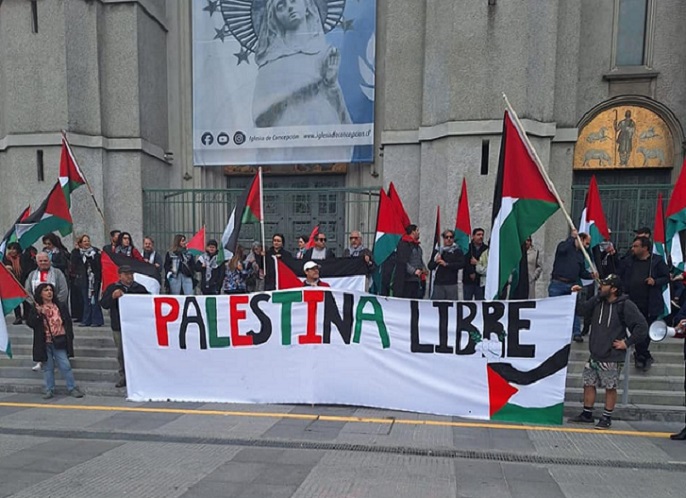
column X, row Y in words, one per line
column 283, row 81
column 484, row 360
column 625, row 137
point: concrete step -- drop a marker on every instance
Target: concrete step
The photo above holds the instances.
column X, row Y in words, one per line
column 36, row 386
column 81, row 374
column 637, row 396
column 26, row 350
column 78, row 362
column 658, row 369
column 104, row 341
column 675, row 356
column 656, row 413
column 643, row 381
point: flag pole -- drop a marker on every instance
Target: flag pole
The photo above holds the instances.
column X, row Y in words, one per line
column 264, row 246
column 90, row 189
column 549, row 182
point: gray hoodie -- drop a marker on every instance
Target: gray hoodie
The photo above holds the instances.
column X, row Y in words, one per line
column 607, row 326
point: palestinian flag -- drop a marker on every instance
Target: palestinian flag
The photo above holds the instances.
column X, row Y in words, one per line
column 659, row 250
column 144, row 273
column 436, row 246
column 12, row 294
column 71, row 176
column 11, row 235
column 522, row 202
column 463, row 223
column 196, row 246
column 52, row 215
column 530, row 396
column 593, row 218
column 339, row 273
column 398, row 206
column 313, row 234
column 389, row 231
column 248, row 210
column 676, row 220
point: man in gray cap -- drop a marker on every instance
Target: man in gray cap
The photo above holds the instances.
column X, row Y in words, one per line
column 110, row 301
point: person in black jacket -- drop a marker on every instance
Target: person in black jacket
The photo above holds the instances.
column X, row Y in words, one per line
column 211, row 271
column 611, row 315
column 276, row 250
column 410, row 271
column 53, row 339
column 643, row 276
column 87, row 271
column 471, row 281
column 448, row 261
column 110, row 301
column 319, row 251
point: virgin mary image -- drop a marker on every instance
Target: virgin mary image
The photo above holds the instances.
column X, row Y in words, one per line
column 297, row 80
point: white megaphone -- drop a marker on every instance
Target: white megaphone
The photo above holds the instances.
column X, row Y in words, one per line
column 659, row 331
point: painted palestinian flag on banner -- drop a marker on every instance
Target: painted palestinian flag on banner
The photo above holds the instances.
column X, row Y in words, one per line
column 676, row 220
column 659, row 250
column 339, row 273
column 593, row 217
column 463, row 223
column 71, row 176
column 248, row 210
column 522, row 202
column 52, row 215
column 144, row 273
column 196, row 246
column 11, row 235
column 12, row 294
column 398, row 206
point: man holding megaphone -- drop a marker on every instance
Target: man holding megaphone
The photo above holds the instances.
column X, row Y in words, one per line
column 611, row 314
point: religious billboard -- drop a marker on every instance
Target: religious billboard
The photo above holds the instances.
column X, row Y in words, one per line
column 624, row 137
column 283, row 81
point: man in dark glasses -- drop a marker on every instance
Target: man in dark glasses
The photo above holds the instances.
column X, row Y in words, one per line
column 319, row 251
column 448, row 261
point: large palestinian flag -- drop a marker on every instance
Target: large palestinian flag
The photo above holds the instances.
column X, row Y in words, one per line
column 71, row 176
column 659, row 250
column 676, row 220
column 339, row 273
column 12, row 294
column 593, row 217
column 463, row 223
column 52, row 215
column 248, row 210
column 11, row 235
column 398, row 206
column 389, row 231
column 522, row 202
column 144, row 273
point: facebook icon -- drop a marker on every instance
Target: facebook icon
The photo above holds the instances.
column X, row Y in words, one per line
column 207, row 138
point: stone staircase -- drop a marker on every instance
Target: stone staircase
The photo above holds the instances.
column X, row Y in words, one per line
column 655, row 395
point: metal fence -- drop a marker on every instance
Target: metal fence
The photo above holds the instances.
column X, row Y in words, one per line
column 290, row 211
column 627, row 207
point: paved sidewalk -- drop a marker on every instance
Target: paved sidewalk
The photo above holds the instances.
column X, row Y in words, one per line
column 109, row 447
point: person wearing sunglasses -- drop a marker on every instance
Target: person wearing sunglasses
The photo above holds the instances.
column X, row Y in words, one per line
column 447, row 261
column 356, row 249
column 319, row 251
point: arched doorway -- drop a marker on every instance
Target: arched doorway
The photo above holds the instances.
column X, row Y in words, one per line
column 632, row 145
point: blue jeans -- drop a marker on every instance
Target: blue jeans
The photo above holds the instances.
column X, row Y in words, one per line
column 557, row 288
column 472, row 291
column 92, row 313
column 59, row 356
column 181, row 283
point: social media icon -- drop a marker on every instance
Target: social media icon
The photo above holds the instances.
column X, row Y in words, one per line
column 239, row 138
column 207, row 138
column 223, row 138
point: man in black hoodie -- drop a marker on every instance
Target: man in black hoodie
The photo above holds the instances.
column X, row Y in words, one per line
column 448, row 260
column 611, row 315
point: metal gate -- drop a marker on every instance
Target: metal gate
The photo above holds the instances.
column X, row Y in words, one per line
column 293, row 210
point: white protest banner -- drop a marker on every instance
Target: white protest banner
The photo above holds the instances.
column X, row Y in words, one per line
column 498, row 360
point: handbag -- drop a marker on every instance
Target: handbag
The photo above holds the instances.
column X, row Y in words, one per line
column 58, row 341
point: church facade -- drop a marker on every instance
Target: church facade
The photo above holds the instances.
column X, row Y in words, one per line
column 600, row 86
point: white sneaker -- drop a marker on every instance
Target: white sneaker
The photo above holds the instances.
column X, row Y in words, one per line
column 37, row 367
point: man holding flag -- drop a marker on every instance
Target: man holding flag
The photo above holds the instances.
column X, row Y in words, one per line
column 448, row 260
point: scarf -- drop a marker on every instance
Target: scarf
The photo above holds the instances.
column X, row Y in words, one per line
column 16, row 265
column 210, row 265
column 356, row 251
column 126, row 251
column 150, row 258
column 177, row 259
column 88, row 255
column 408, row 238
column 36, row 278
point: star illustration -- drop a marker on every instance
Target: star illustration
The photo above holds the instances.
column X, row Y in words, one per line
column 242, row 56
column 346, row 24
column 221, row 34
column 211, row 6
